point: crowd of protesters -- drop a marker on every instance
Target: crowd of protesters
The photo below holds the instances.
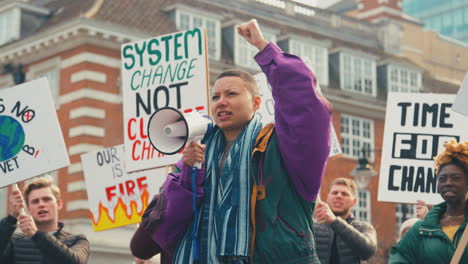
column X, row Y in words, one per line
column 257, row 191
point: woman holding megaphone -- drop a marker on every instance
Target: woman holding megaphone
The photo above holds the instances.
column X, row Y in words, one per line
column 441, row 237
column 258, row 185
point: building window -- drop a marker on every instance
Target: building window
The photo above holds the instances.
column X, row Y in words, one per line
column 9, row 25
column 188, row 21
column 362, row 210
column 404, row 80
column 358, row 74
column 357, row 134
column 244, row 53
column 403, row 212
column 49, row 69
column 316, row 55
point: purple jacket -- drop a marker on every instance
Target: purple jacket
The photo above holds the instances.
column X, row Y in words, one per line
column 302, row 124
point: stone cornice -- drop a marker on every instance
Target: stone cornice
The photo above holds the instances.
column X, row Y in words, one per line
column 65, row 36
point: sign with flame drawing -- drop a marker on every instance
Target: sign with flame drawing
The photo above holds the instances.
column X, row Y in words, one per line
column 116, row 198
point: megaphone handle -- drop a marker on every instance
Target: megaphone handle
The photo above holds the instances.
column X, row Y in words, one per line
column 197, row 164
column 193, row 176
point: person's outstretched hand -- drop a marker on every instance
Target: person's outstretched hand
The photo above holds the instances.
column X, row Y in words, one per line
column 250, row 31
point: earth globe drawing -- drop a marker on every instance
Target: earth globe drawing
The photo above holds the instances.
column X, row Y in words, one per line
column 11, row 137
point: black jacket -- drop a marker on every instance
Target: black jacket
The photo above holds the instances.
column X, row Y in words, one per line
column 42, row 248
column 356, row 240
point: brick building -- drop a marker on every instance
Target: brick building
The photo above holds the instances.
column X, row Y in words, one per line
column 76, row 44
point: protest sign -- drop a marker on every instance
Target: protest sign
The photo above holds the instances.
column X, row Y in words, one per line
column 266, row 112
column 416, row 127
column 461, row 101
column 31, row 141
column 170, row 70
column 116, row 198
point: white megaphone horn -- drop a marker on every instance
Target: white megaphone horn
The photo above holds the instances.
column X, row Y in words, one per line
column 169, row 130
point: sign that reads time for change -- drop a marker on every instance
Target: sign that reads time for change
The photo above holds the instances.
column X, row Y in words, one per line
column 416, row 127
column 165, row 71
column 31, row 141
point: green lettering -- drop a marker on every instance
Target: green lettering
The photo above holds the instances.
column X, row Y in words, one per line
column 177, row 45
column 166, row 39
column 158, row 73
column 131, row 81
column 140, row 51
column 128, row 56
column 191, row 66
column 182, row 69
column 154, row 51
column 192, row 33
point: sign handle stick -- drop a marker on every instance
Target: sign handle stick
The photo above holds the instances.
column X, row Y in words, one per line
column 14, row 186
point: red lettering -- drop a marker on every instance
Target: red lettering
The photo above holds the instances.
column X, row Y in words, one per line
column 121, row 189
column 129, row 129
column 141, row 183
column 110, row 192
column 130, row 186
column 135, row 144
column 147, row 150
column 142, row 129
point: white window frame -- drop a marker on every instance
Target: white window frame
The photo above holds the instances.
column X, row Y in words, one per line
column 363, row 206
column 395, row 82
column 354, row 131
column 10, row 25
column 399, row 214
column 299, row 46
column 51, row 66
column 352, row 73
column 214, row 46
column 244, row 52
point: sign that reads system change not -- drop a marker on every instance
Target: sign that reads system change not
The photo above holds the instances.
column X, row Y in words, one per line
column 416, row 127
column 31, row 141
column 116, row 198
column 165, row 71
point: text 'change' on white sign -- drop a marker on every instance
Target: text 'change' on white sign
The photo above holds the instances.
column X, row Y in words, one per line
column 416, row 127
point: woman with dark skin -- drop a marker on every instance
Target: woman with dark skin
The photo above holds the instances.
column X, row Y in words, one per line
column 435, row 238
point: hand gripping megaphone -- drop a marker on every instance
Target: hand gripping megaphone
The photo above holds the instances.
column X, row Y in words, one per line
column 169, row 130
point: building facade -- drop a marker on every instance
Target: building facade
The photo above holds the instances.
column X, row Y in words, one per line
column 449, row 18
column 76, row 44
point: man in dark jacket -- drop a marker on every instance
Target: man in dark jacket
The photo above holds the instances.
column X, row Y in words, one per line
column 42, row 239
column 339, row 237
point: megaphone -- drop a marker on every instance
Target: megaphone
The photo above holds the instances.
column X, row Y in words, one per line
column 169, row 130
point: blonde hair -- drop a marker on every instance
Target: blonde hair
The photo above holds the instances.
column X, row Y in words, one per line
column 454, row 153
column 346, row 182
column 39, row 183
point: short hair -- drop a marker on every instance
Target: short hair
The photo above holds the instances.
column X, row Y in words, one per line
column 248, row 79
column 454, row 153
column 407, row 225
column 345, row 182
column 39, row 183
